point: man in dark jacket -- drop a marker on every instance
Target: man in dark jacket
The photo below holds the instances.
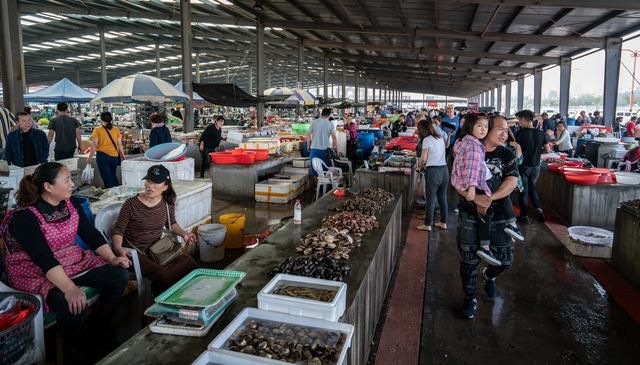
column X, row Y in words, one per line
column 209, row 142
column 26, row 146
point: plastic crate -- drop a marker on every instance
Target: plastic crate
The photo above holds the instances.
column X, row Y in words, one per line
column 15, row 340
column 330, row 311
column 133, row 170
column 252, row 313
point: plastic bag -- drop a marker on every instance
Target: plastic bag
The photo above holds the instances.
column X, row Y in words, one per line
column 87, row 175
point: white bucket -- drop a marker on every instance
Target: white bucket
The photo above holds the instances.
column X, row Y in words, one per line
column 211, row 241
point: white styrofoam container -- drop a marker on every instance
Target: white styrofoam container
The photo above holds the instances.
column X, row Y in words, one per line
column 299, row 171
column 279, row 192
column 133, row 170
column 330, row 311
column 271, row 144
column 193, row 201
column 12, row 182
column 253, row 313
column 301, row 162
column 71, row 163
column 297, row 182
column 235, row 137
column 210, row 357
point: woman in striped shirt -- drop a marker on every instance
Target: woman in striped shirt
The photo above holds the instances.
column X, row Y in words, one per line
column 141, row 222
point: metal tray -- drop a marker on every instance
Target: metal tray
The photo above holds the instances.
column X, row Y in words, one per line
column 201, row 288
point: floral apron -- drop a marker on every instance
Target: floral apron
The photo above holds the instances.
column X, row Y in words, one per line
column 25, row 275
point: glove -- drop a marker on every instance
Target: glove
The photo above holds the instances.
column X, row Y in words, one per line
column 87, row 175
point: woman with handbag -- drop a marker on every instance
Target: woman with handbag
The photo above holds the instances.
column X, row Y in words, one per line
column 106, row 144
column 41, row 256
column 140, row 226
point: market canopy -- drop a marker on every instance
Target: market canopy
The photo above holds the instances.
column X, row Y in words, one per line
column 62, row 91
column 196, row 96
column 228, row 95
column 139, row 88
column 301, row 97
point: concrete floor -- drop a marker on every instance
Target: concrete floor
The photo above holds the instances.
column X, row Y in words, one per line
column 548, row 310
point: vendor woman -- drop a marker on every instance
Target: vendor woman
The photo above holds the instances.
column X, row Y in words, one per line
column 41, row 255
column 141, row 222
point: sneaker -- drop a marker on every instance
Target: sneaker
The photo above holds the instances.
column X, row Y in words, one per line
column 540, row 215
column 489, row 284
column 469, row 308
column 514, row 231
column 523, row 219
column 456, row 211
column 488, row 257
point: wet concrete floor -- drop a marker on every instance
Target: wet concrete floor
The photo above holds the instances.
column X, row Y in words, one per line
column 548, row 310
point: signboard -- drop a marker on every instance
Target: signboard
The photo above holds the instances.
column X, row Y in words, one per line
column 432, row 104
column 473, row 107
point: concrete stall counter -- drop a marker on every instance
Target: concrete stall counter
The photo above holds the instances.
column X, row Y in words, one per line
column 238, row 181
column 394, row 182
column 372, row 265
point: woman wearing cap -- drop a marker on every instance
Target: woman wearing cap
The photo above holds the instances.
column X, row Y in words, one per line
column 106, row 144
column 141, row 222
column 41, row 256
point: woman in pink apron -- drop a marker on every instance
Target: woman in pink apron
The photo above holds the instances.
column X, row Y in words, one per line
column 41, row 255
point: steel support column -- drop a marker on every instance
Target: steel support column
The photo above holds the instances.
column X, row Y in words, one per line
column 269, row 80
column 185, row 43
column 493, row 98
column 260, row 69
column 565, row 85
column 284, row 80
column 344, row 81
column 157, row 58
column 103, row 59
column 366, row 94
column 10, row 60
column 612, row 54
column 507, row 99
column 300, row 80
column 226, row 70
column 499, row 99
column 356, row 95
column 520, row 104
column 197, row 66
column 537, row 89
column 250, row 81
column 77, row 76
column 325, row 76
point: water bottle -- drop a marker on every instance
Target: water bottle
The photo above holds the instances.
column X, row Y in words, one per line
column 297, row 212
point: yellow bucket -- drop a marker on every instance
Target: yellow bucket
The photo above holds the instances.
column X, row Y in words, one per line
column 235, row 229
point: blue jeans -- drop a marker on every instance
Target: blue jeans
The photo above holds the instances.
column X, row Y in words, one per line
column 529, row 177
column 107, row 166
column 436, row 185
column 321, row 154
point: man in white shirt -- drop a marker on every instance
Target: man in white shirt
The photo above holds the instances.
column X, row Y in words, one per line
column 318, row 138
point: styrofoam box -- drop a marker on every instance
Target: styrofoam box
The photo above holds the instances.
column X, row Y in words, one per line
column 273, row 192
column 135, row 169
column 297, row 183
column 12, row 182
column 299, row 171
column 210, row 357
column 71, row 163
column 253, row 313
column 301, row 162
column 271, row 144
column 330, row 311
column 193, row 201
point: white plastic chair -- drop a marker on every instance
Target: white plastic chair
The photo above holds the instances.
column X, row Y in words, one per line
column 327, row 176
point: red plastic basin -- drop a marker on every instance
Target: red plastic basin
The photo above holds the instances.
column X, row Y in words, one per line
column 247, row 158
column 261, row 154
column 222, row 158
column 578, row 179
column 609, row 178
column 577, row 171
column 573, row 164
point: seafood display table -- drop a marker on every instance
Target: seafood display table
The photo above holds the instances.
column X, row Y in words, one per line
column 583, row 205
column 239, row 181
column 371, row 268
column 394, row 182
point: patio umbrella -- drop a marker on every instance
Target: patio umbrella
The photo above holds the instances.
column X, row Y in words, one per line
column 196, row 96
column 139, row 88
column 62, row 91
column 278, row 91
column 301, row 97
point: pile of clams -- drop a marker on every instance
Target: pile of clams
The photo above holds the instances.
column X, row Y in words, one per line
column 321, row 267
column 332, row 242
column 356, row 223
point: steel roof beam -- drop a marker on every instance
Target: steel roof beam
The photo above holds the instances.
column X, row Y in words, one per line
column 425, row 70
column 595, row 4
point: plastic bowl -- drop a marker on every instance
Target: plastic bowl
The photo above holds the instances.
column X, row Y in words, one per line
column 628, row 178
column 222, row 158
column 247, row 158
column 574, row 164
column 590, row 179
column 237, row 151
column 261, row 154
column 599, row 170
column 609, row 178
column 576, row 171
column 553, row 167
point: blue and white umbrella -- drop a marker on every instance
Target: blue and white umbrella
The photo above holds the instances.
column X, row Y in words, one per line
column 139, row 88
column 278, row 91
column 301, row 97
column 196, row 96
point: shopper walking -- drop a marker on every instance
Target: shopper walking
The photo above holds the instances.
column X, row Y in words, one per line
column 320, row 132
column 66, row 131
column 26, row 146
column 209, row 142
column 7, row 122
column 533, row 143
column 106, row 145
column 502, row 164
column 436, row 174
column 159, row 132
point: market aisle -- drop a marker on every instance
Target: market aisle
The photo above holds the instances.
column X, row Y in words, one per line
column 548, row 310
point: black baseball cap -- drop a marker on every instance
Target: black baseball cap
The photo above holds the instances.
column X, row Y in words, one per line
column 157, row 174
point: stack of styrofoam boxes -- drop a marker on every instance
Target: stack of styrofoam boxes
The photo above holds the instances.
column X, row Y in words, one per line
column 135, row 169
column 12, row 182
column 300, row 166
column 276, row 192
column 193, row 201
column 330, row 311
column 297, row 182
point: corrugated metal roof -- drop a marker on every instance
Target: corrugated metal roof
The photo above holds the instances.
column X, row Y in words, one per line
column 458, row 46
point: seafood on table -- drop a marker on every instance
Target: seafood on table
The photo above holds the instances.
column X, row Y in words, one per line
column 305, row 292
column 320, row 267
column 336, row 243
column 376, row 194
column 356, row 223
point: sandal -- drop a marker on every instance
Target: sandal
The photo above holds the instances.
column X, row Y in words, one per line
column 423, row 227
column 442, row 226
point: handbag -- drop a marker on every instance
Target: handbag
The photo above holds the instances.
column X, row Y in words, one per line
column 114, row 145
column 167, row 249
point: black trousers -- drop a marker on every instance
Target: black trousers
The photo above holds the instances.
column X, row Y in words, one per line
column 63, row 155
column 111, row 280
column 206, row 161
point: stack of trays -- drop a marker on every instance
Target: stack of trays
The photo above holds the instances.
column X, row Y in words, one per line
column 193, row 304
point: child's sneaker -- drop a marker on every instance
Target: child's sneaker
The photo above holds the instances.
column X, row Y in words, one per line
column 469, row 308
column 487, row 256
column 514, row 231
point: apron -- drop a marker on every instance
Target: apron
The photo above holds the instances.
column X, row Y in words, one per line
column 25, row 275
